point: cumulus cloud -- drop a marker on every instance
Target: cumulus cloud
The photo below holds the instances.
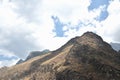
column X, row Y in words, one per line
column 7, row 58
column 8, row 62
column 110, row 27
column 8, row 54
column 27, row 9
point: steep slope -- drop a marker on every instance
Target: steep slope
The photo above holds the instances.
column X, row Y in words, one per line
column 85, row 57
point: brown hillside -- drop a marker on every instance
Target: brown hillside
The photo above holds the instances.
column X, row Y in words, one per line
column 86, row 57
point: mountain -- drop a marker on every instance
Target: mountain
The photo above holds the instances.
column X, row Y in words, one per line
column 36, row 53
column 85, row 57
column 115, row 46
column 33, row 54
column 20, row 61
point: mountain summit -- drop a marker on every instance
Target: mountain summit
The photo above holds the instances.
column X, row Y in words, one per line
column 90, row 58
column 85, row 57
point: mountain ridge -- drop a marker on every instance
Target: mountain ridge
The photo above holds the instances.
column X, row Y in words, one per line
column 85, row 57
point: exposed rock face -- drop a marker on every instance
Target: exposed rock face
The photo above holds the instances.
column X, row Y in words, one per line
column 86, row 57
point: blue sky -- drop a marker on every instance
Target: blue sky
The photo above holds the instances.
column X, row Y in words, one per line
column 28, row 25
column 96, row 4
column 7, row 58
column 58, row 26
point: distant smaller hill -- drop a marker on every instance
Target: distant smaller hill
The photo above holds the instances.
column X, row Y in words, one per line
column 115, row 46
column 36, row 53
column 33, row 54
column 20, row 61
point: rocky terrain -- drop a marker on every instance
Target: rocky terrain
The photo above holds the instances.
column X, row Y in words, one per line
column 85, row 57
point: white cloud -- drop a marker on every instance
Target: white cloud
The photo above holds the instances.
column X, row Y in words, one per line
column 8, row 62
column 63, row 9
column 6, row 53
column 110, row 27
column 10, row 58
column 7, row 16
column 67, row 10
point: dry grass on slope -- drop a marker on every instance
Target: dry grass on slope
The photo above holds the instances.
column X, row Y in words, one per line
column 58, row 58
column 20, row 68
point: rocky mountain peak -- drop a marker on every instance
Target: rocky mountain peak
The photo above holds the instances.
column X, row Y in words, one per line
column 91, row 35
column 90, row 39
column 87, row 45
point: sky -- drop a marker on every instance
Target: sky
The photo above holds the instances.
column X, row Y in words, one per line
column 30, row 25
